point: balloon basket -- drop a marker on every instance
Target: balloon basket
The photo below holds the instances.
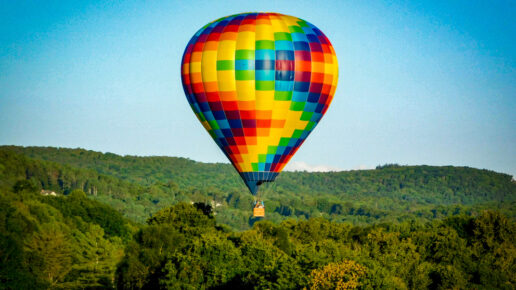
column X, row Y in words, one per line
column 258, row 212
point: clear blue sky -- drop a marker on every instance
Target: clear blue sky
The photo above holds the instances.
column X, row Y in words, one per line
column 430, row 83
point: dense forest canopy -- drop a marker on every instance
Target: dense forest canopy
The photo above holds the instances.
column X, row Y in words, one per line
column 66, row 242
column 78, row 219
column 140, row 186
column 46, row 243
column 449, row 184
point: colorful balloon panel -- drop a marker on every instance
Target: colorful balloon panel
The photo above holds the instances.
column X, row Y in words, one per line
column 259, row 83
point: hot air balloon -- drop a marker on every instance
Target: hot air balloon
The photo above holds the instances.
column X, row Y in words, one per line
column 259, row 83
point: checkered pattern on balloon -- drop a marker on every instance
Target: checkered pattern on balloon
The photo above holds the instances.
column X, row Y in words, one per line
column 259, row 83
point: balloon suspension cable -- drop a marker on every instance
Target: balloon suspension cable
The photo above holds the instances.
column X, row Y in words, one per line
column 259, row 194
column 266, row 188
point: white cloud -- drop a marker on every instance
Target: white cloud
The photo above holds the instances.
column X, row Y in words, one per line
column 303, row 166
column 362, row 167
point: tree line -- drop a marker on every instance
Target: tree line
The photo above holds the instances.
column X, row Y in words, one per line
column 140, row 186
column 73, row 242
column 396, row 226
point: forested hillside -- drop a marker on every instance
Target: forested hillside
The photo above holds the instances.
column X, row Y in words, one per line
column 139, row 186
column 181, row 247
column 72, row 242
column 129, row 223
column 447, row 184
column 68, row 242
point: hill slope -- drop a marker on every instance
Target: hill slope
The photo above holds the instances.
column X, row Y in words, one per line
column 58, row 242
column 146, row 184
column 72, row 241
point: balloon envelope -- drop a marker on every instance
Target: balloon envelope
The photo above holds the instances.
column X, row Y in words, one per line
column 259, row 83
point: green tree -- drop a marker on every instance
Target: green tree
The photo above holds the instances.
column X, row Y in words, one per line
column 344, row 275
column 49, row 253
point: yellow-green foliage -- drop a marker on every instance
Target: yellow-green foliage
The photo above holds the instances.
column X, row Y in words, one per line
column 43, row 246
column 343, row 275
column 377, row 229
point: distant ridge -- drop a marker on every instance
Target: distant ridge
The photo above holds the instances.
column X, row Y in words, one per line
column 142, row 185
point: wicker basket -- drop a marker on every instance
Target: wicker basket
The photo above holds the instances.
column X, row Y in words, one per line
column 258, row 212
